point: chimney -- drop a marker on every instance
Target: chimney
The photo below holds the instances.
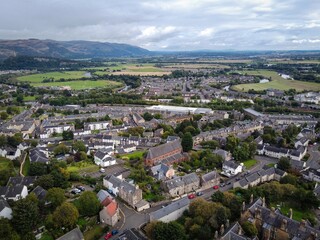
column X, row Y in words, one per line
column 251, row 198
column 216, row 235
column 243, row 206
column 263, row 202
column 227, row 223
column 257, row 213
column 284, row 224
column 303, row 224
column 290, row 213
column 222, row 229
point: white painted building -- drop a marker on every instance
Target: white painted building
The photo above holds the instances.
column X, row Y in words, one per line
column 5, row 209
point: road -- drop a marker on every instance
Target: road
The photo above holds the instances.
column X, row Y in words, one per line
column 133, row 219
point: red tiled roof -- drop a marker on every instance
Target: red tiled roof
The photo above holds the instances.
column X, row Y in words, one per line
column 107, row 201
column 112, row 208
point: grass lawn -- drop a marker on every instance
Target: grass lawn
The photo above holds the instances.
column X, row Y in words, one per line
column 271, row 164
column 26, row 166
column 133, row 155
column 249, row 163
column 5, row 163
column 39, row 77
column 277, row 83
column 81, row 167
column 29, row 98
column 94, row 233
column 81, row 84
column 46, row 236
column 297, row 214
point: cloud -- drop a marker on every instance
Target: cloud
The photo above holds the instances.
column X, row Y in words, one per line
column 168, row 24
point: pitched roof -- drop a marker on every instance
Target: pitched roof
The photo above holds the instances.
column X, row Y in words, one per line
column 111, row 208
column 40, row 192
column 28, row 180
column 163, row 149
column 209, row 176
column 102, row 195
column 172, row 207
column 230, row 164
column 3, row 204
column 74, row 234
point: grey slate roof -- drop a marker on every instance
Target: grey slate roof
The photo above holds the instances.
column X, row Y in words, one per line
column 276, row 149
column 36, row 155
column 230, row 164
column 159, row 171
column 163, row 149
column 116, row 182
column 74, row 234
column 190, row 178
column 102, row 195
column 27, row 181
column 40, row 192
column 3, row 204
column 174, row 206
column 209, row 176
column 11, row 191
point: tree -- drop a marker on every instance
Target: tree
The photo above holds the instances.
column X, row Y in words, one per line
column 60, row 149
column 67, row 135
column 147, row 116
column 249, row 229
column 56, row 197
column 284, row 164
column 65, row 215
column 232, row 143
column 166, row 231
column 79, row 146
column 6, row 230
column 3, row 140
column 25, row 216
column 38, row 169
column 45, row 181
column 187, row 142
column 88, row 204
column 4, row 115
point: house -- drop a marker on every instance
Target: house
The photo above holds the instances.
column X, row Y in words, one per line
column 273, row 225
column 231, row 168
column 137, row 118
column 27, row 181
column 10, row 153
column 40, row 193
column 103, row 158
column 14, row 193
column 275, row 152
column 128, row 192
column 74, row 234
column 38, row 155
column 226, row 156
column 162, row 172
column 96, row 125
column 264, row 175
column 301, row 142
column 181, row 185
column 172, row 138
column 168, row 153
column 235, row 232
column 209, row 180
column 5, row 209
column 311, row 174
column 171, row 212
column 158, row 132
column 110, row 212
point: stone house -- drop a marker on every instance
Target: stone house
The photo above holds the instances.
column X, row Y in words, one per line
column 181, row 185
column 209, row 180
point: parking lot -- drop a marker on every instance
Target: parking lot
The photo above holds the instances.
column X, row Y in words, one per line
column 115, row 169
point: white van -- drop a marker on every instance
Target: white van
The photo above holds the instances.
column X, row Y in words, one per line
column 102, row 170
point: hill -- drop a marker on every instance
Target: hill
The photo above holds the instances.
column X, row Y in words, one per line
column 67, row 49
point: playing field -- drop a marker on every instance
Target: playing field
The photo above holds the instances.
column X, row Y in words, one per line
column 81, row 84
column 38, row 78
column 277, row 82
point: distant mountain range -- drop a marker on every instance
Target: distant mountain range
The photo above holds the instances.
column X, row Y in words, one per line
column 68, row 49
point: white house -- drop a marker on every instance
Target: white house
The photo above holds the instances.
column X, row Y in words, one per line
column 5, row 209
column 104, row 158
column 301, row 142
column 231, row 168
column 13, row 192
column 10, row 153
column 97, row 125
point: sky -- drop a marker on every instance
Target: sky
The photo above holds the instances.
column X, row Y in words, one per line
column 168, row 25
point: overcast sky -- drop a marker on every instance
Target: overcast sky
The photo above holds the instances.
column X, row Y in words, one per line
column 168, row 24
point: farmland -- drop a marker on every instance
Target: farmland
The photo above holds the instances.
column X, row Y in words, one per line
column 277, row 82
column 38, row 78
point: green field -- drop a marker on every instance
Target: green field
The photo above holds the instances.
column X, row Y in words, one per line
column 137, row 154
column 81, row 84
column 38, row 78
column 83, row 167
column 276, row 82
column 249, row 163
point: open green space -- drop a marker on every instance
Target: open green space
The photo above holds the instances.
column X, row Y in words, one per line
column 297, row 214
column 249, row 163
column 29, row 98
column 277, row 82
column 5, row 163
column 39, row 77
column 83, row 167
column 137, row 154
column 81, row 84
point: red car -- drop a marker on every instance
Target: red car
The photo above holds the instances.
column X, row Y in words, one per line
column 108, row 236
column 191, row 196
column 216, row 187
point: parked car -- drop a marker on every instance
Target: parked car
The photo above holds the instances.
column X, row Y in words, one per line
column 81, row 188
column 191, row 196
column 228, row 183
column 102, row 170
column 199, row 193
column 75, row 191
column 114, row 232
column 216, row 187
column 108, row 236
